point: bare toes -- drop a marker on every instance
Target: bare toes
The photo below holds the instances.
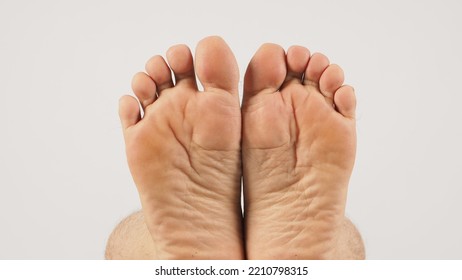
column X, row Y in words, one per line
column 297, row 60
column 129, row 111
column 266, row 71
column 331, row 80
column 316, row 66
column 144, row 88
column 345, row 101
column 216, row 65
column 181, row 61
column 159, row 71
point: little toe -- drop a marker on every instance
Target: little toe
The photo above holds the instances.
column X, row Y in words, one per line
column 216, row 65
column 144, row 88
column 159, row 71
column 266, row 71
column 180, row 59
column 316, row 66
column 297, row 60
column 331, row 80
column 129, row 111
column 345, row 101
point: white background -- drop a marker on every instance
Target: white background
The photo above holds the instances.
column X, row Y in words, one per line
column 262, row 270
column 64, row 182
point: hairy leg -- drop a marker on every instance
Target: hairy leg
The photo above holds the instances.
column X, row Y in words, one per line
column 131, row 240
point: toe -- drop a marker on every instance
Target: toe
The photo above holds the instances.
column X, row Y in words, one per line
column 216, row 65
column 345, row 101
column 129, row 111
column 297, row 60
column 144, row 88
column 266, row 71
column 180, row 59
column 331, row 80
column 160, row 73
column 316, row 66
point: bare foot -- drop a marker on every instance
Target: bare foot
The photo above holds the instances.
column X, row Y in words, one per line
column 299, row 145
column 184, row 154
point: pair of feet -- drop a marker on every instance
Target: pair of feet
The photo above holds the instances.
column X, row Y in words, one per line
column 293, row 143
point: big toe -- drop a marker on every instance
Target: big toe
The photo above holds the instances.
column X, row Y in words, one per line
column 266, row 71
column 216, row 66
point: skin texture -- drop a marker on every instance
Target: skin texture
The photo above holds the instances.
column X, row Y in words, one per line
column 298, row 152
column 184, row 154
column 131, row 240
column 297, row 129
